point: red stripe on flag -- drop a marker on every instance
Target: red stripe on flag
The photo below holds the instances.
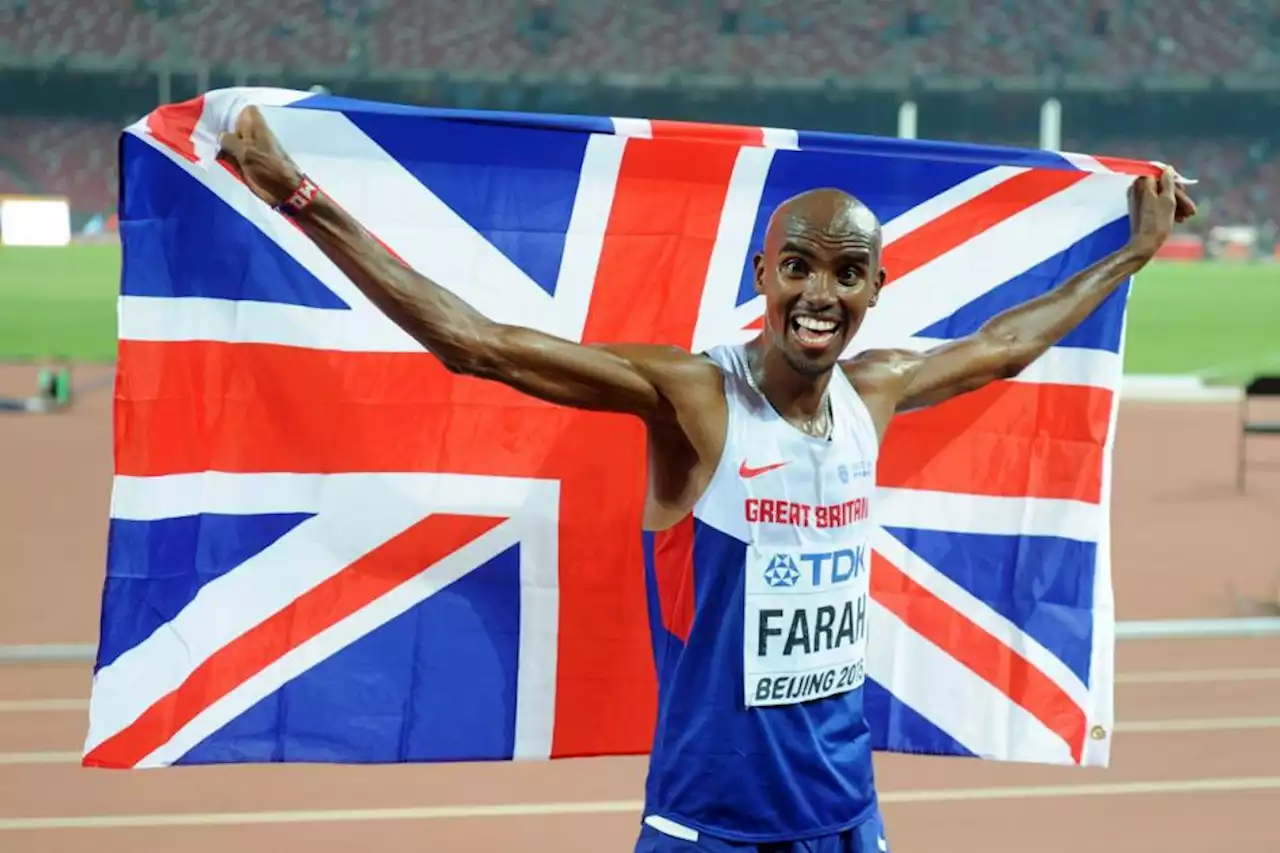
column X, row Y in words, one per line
column 694, row 131
column 174, row 124
column 1010, row 438
column 969, row 219
column 193, row 406
column 673, row 568
column 661, row 232
column 1130, row 167
column 990, row 659
column 372, row 576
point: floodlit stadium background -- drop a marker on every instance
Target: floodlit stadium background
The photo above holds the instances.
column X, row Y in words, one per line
column 1195, row 83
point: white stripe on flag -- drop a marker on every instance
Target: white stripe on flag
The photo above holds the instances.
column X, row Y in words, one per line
column 584, row 241
column 380, row 193
column 155, row 318
column 357, row 514
column 981, row 614
column 539, row 624
column 1084, row 162
column 635, row 128
column 783, row 138
column 717, row 318
column 1003, row 516
column 946, row 201
column 1001, row 252
column 178, row 495
column 953, row 698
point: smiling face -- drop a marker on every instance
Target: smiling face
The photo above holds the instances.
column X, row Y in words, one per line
column 819, row 274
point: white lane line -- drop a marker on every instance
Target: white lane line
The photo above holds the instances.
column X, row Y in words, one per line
column 19, row 758
column 1221, row 724
column 1106, row 789
column 427, row 813
column 37, row 706
column 1194, row 676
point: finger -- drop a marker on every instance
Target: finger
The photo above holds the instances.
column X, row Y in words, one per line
column 1166, row 181
column 1185, row 208
column 249, row 118
column 231, row 143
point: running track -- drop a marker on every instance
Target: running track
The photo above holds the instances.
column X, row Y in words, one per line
column 1196, row 763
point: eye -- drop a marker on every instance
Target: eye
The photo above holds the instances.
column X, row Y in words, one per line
column 794, row 267
column 851, row 275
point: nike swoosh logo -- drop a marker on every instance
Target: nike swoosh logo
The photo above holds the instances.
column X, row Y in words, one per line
column 747, row 473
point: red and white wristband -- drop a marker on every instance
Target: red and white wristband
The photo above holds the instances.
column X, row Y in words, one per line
column 301, row 198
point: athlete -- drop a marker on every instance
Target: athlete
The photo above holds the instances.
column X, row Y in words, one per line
column 761, row 472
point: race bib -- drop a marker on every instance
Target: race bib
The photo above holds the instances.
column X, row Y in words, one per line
column 805, row 633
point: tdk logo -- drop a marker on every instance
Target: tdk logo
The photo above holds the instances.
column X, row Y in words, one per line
column 823, row 567
column 781, row 571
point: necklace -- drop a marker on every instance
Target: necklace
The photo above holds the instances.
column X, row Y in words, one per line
column 811, row 428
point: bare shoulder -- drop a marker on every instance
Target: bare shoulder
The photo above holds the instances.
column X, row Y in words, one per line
column 879, row 377
column 879, row 371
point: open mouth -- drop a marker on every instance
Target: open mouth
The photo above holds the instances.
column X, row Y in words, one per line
column 814, row 332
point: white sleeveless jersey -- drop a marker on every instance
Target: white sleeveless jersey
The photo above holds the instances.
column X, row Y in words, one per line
column 761, row 734
column 802, row 505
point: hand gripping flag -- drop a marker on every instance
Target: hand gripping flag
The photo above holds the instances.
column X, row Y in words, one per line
column 325, row 547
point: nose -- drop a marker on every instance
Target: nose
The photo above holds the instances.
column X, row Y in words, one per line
column 820, row 291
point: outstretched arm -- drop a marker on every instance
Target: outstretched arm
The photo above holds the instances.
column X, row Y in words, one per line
column 1015, row 338
column 620, row 378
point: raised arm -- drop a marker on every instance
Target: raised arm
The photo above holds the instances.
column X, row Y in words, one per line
column 620, row 378
column 1010, row 341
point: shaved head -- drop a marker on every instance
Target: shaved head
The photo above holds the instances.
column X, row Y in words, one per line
column 824, row 211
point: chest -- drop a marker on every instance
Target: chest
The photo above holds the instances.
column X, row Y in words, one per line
column 780, row 488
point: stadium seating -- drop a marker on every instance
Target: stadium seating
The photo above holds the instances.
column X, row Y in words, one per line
column 1113, row 38
column 494, row 38
column 51, row 29
column 72, row 158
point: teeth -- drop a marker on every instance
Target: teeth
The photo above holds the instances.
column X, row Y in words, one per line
column 813, row 324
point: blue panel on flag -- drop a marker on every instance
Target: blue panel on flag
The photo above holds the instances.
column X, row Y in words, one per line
column 180, row 239
column 895, row 723
column 1101, row 330
column 516, row 186
column 437, row 683
column 888, row 185
column 1042, row 584
column 155, row 568
column 353, row 107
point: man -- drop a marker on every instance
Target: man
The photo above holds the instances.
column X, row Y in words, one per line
column 761, row 469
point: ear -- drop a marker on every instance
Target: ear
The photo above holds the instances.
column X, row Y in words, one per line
column 881, row 278
column 757, row 265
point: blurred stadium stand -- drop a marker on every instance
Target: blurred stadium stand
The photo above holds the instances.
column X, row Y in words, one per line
column 1161, row 79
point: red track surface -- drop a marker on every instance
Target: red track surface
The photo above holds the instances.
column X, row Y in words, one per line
column 1184, row 545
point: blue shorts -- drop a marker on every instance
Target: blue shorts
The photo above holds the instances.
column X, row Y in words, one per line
column 867, row 837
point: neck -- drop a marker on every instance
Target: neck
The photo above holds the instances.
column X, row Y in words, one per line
column 795, row 395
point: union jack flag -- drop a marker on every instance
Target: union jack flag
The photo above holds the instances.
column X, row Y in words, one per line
column 325, row 547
